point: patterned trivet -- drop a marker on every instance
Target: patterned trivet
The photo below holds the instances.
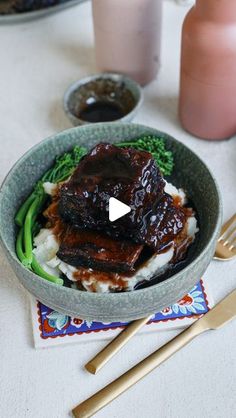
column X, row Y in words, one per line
column 53, row 328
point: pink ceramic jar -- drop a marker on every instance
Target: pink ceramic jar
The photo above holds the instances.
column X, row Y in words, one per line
column 207, row 105
column 127, row 37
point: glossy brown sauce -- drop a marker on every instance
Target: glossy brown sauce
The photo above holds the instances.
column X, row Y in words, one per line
column 183, row 252
column 177, row 200
column 114, row 278
column 92, row 249
column 54, row 221
column 101, row 111
column 130, row 176
column 181, row 243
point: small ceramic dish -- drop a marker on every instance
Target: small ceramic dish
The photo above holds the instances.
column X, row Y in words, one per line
column 189, row 172
column 102, row 97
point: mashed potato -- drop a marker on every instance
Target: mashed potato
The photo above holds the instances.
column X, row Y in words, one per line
column 46, row 247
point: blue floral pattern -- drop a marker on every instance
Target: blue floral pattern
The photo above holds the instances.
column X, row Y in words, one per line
column 56, row 324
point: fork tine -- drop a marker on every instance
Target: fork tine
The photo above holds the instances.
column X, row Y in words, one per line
column 227, row 227
column 233, row 244
column 227, row 239
column 226, row 246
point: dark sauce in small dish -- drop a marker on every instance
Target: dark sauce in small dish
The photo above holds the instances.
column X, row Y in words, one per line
column 103, row 98
column 101, row 111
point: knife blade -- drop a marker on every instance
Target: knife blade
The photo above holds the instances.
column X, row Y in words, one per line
column 220, row 315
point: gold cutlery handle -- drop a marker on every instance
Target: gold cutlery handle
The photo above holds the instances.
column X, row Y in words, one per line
column 94, row 365
column 100, row 399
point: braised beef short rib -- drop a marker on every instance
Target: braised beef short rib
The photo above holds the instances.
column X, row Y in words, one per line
column 132, row 177
column 99, row 252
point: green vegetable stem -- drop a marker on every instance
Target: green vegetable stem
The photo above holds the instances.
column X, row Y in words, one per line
column 19, row 246
column 26, row 217
column 41, row 272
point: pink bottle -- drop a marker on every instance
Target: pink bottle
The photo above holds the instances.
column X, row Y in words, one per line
column 207, row 105
column 127, row 37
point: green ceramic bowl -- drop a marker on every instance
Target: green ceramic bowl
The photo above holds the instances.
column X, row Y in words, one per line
column 189, row 172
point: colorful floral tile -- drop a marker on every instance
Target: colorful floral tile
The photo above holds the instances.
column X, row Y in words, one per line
column 49, row 326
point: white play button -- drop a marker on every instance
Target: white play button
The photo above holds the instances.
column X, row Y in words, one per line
column 117, row 209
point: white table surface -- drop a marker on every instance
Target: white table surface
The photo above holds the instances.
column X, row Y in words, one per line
column 38, row 60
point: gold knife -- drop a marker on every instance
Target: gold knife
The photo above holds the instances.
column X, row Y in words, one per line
column 97, row 362
column 222, row 313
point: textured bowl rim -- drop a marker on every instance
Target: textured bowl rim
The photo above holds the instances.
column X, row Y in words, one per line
column 146, row 290
column 107, row 75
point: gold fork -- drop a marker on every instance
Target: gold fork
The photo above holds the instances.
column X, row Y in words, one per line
column 225, row 250
column 226, row 246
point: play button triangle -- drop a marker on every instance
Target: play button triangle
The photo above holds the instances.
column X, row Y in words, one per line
column 117, row 209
